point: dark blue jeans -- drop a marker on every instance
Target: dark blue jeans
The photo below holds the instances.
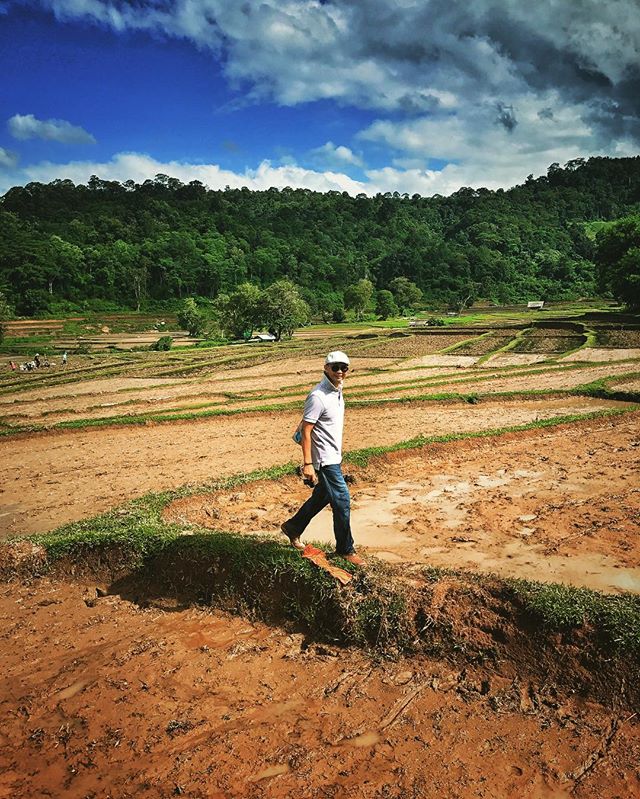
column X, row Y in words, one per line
column 330, row 489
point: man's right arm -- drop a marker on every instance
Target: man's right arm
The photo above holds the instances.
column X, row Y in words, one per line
column 307, row 470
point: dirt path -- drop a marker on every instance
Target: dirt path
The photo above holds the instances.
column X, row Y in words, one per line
column 103, row 698
column 533, row 506
column 49, row 479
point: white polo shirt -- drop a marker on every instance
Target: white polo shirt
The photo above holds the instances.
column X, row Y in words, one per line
column 324, row 408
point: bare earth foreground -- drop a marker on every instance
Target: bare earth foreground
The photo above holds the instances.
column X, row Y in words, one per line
column 107, row 699
column 109, row 696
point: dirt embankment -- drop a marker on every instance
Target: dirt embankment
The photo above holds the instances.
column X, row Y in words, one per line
column 106, row 698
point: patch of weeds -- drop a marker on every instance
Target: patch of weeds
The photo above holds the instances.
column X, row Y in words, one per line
column 619, row 618
column 176, row 727
column 135, row 528
column 434, row 574
column 559, row 608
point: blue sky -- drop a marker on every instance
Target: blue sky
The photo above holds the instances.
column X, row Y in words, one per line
column 417, row 96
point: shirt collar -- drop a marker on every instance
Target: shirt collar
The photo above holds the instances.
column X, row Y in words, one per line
column 329, row 384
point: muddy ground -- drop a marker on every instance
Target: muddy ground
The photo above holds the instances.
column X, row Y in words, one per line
column 106, row 698
column 531, row 505
column 109, row 698
column 51, row 478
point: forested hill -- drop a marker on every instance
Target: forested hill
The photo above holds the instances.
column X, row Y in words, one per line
column 163, row 240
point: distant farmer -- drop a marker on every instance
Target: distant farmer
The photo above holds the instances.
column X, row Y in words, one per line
column 13, row 366
column 36, row 360
column 321, row 440
column 64, row 358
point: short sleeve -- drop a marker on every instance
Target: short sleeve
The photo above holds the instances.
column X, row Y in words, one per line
column 313, row 408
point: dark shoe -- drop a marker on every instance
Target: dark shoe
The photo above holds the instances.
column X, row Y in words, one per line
column 355, row 559
column 294, row 538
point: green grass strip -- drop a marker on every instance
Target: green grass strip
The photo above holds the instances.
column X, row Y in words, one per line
column 596, row 390
column 519, row 335
column 560, row 608
column 361, row 457
column 460, row 344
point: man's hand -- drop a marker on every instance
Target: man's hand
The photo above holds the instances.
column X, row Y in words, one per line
column 309, row 474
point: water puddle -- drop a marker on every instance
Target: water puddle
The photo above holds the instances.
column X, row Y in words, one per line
column 517, row 558
column 370, row 738
column 272, row 771
column 72, row 690
column 435, row 523
column 378, row 521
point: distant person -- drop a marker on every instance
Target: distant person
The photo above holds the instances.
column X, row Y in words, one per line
column 64, row 358
column 13, row 366
column 36, row 360
column 321, row 440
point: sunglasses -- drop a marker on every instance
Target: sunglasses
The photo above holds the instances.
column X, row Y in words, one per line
column 339, row 367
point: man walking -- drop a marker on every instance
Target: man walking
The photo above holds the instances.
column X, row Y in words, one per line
column 321, row 431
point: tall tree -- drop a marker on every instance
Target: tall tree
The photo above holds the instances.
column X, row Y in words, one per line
column 5, row 313
column 406, row 293
column 239, row 312
column 385, row 304
column 191, row 318
column 357, row 297
column 282, row 309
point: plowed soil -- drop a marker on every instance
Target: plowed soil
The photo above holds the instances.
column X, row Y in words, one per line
column 51, row 478
column 105, row 698
column 530, row 505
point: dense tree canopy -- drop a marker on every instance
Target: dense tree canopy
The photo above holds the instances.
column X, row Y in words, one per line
column 385, row 304
column 161, row 241
column 5, row 313
column 239, row 311
column 282, row 309
column 358, row 296
column 191, row 318
column 405, row 293
column 618, row 258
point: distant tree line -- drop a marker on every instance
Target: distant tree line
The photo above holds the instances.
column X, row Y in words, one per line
column 141, row 245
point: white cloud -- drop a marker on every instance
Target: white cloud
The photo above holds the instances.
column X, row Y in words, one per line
column 499, row 88
column 140, row 167
column 445, row 71
column 485, row 151
column 336, row 154
column 8, row 159
column 380, row 53
column 26, row 126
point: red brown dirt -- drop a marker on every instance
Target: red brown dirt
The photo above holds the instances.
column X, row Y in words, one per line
column 109, row 699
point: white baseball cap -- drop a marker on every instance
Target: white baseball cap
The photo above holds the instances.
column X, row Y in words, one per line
column 337, row 357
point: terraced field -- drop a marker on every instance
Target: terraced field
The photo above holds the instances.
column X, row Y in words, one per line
column 107, row 428
column 495, row 495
